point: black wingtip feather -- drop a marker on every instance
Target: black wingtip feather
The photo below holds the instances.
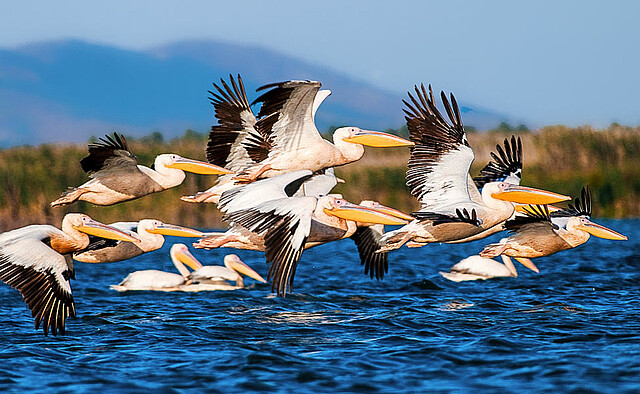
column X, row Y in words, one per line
column 533, row 214
column 507, row 162
column 41, row 293
column 102, row 151
column 581, row 206
column 367, row 242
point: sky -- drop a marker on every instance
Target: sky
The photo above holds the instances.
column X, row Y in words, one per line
column 546, row 62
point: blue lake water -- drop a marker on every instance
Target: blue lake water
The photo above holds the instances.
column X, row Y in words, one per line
column 573, row 327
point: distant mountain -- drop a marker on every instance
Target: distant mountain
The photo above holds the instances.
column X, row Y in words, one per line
column 70, row 90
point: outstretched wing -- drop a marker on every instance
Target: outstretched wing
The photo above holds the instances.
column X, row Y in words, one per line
column 263, row 190
column 110, row 152
column 582, row 206
column 438, row 169
column 287, row 114
column 460, row 216
column 320, row 184
column 533, row 215
column 286, row 224
column 506, row 164
column 42, row 276
column 367, row 240
column 234, row 143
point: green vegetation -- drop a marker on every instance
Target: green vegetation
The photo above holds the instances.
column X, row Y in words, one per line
column 505, row 127
column 557, row 158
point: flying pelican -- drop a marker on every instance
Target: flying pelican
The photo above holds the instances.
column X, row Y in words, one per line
column 116, row 175
column 452, row 208
column 202, row 278
column 543, row 234
column 283, row 137
column 291, row 140
column 150, row 232
column 477, row 267
column 324, row 228
column 36, row 261
column 286, row 223
column 264, row 148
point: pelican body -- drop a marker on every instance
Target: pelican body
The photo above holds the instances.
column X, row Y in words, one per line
column 281, row 139
column 290, row 139
column 452, row 207
column 36, row 261
column 151, row 233
column 117, row 177
column 542, row 234
column 478, row 267
column 202, row 278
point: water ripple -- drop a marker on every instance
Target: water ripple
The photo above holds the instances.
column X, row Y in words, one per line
column 573, row 327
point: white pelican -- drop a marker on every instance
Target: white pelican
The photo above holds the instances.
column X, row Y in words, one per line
column 291, row 140
column 286, row 223
column 543, row 234
column 452, row 208
column 233, row 270
column 36, row 261
column 116, row 175
column 202, row 278
column 150, row 232
column 236, row 143
column 477, row 267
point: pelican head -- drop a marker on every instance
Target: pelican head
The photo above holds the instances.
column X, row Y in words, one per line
column 369, row 138
column 85, row 224
column 181, row 256
column 521, row 194
column 157, row 227
column 171, row 160
column 584, row 224
column 233, row 262
column 343, row 209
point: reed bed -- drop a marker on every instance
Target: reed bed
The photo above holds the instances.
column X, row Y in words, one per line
column 557, row 158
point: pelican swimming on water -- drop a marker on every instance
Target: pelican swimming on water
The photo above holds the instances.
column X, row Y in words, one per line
column 202, row 278
column 116, row 175
column 215, row 275
column 151, row 233
column 452, row 208
column 478, row 267
column 36, row 261
column 542, row 234
column 288, row 224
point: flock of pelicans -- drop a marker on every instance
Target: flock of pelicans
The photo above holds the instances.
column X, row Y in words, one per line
column 275, row 178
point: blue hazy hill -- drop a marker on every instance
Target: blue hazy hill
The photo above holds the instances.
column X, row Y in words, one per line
column 69, row 90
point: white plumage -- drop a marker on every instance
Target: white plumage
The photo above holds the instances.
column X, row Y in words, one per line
column 476, row 267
